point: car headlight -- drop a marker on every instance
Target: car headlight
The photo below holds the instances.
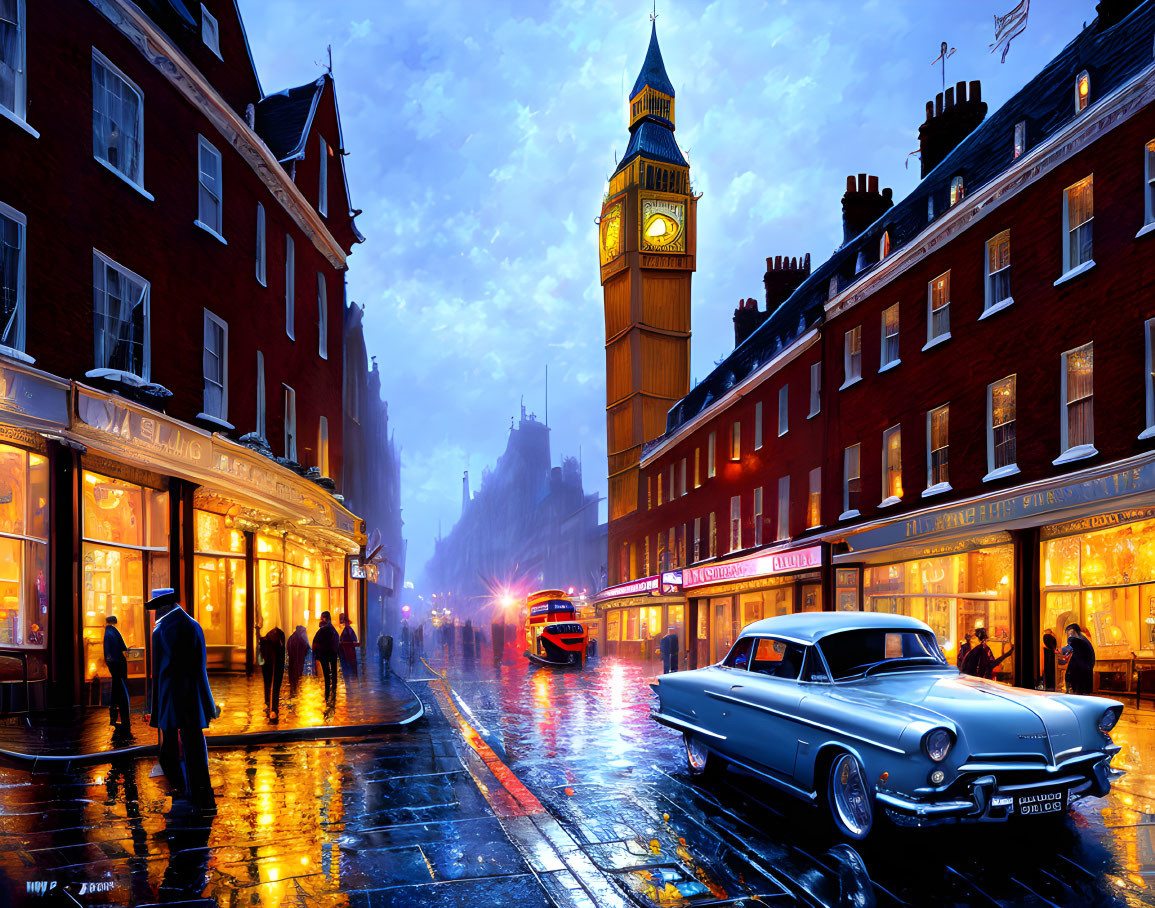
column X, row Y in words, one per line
column 1108, row 720
column 937, row 744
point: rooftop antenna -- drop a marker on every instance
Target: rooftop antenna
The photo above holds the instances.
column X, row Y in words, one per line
column 329, row 50
column 945, row 52
column 654, row 14
column 547, row 395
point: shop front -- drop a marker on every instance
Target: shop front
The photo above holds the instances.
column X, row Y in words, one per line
column 633, row 617
column 723, row 598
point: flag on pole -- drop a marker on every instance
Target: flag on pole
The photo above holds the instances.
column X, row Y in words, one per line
column 943, row 54
column 1009, row 27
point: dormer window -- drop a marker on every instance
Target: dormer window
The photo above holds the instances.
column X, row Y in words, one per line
column 956, row 190
column 210, row 31
column 1082, row 91
column 1020, row 137
column 884, row 245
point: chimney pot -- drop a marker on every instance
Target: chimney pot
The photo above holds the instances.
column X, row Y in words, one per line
column 960, row 92
column 929, row 110
column 850, row 183
column 888, row 193
column 949, row 96
column 938, row 104
column 794, row 263
column 872, row 184
column 769, row 263
column 777, row 263
column 807, row 262
column 976, row 94
column 862, row 182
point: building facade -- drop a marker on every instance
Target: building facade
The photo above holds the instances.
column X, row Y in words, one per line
column 174, row 246
column 952, row 416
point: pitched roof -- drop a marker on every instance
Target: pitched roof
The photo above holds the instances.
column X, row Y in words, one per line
column 653, row 70
column 284, row 118
column 655, row 140
column 1113, row 56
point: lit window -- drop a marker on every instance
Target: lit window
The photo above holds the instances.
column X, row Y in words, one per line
column 815, row 388
column 649, row 492
column 117, row 121
column 998, row 271
column 216, row 367
column 209, row 209
column 697, row 538
column 1149, row 375
column 956, row 190
column 210, row 32
column 783, row 508
column 12, row 48
column 1082, row 91
column 851, row 481
column 646, row 548
column 323, row 446
column 884, row 245
column 735, row 523
column 937, row 450
column 758, row 426
column 783, row 410
column 697, row 468
column 758, row 516
column 1078, row 218
column 658, row 485
column 814, row 500
column 261, row 395
column 736, row 440
column 852, row 356
column 12, row 277
column 1020, row 138
column 1001, row 453
column 290, row 288
column 1078, row 429
column 1149, row 183
column 889, row 337
column 290, row 419
column 713, row 534
column 322, row 318
column 323, row 180
column 938, row 309
column 711, row 446
column 261, row 244
column 120, row 305
column 892, row 465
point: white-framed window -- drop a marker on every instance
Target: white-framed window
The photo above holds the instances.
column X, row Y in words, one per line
column 1149, row 375
column 1078, row 413
column 210, row 210
column 1001, row 441
column 290, row 288
column 697, row 468
column 261, row 244
column 261, row 413
column 851, row 481
column 1149, row 184
column 697, row 538
column 210, row 32
column 937, row 450
column 758, row 516
column 713, row 536
column 13, row 77
column 323, row 179
column 216, row 367
column 1082, row 91
column 1078, row 220
column 815, row 389
column 673, row 487
column 758, row 426
column 735, row 523
column 956, row 190
column 121, row 308
column 892, row 465
column 783, row 508
column 290, row 412
column 322, row 317
column 1020, row 140
column 998, row 269
column 938, row 309
column 783, row 410
column 117, row 120
column 852, row 356
column 736, row 440
column 711, row 447
column 884, row 245
column 684, row 489
column 13, row 276
column 323, row 446
column 814, row 500
column 889, row 357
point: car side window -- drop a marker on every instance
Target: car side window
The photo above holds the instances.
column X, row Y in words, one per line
column 739, row 655
column 778, row 658
column 812, row 668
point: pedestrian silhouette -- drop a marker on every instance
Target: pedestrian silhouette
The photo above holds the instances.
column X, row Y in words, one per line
column 348, row 648
column 271, row 650
column 298, row 649
column 118, row 702
column 980, row 661
column 326, row 645
column 1081, row 667
column 384, row 653
column 668, row 646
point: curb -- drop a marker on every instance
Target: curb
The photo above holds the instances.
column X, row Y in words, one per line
column 34, row 762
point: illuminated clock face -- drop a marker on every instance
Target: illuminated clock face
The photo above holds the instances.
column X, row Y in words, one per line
column 611, row 232
column 663, row 225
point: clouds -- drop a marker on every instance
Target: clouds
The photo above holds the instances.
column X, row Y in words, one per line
column 481, row 135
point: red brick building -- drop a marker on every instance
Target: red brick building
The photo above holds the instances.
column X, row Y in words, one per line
column 172, row 284
column 952, row 416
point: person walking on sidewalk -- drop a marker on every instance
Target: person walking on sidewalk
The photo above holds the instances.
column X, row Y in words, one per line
column 272, row 651
column 298, row 647
column 1081, row 667
column 348, row 647
column 114, row 650
column 668, row 646
column 326, row 645
column 182, row 701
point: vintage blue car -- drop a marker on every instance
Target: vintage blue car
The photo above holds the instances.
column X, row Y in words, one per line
column 861, row 713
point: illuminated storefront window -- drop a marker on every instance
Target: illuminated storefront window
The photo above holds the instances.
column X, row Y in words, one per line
column 954, row 594
column 271, row 588
column 125, row 553
column 23, row 548
column 220, row 584
column 766, row 604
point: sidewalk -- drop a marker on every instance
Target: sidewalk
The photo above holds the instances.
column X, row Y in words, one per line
column 83, row 736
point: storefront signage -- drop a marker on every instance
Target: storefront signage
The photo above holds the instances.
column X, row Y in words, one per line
column 757, row 566
column 671, row 582
column 645, row 585
column 356, row 568
column 964, row 518
column 1097, row 522
column 33, row 399
column 142, row 435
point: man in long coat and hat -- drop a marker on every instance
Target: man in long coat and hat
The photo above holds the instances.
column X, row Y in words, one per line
column 182, row 702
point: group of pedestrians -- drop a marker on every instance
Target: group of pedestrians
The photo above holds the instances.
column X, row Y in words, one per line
column 1078, row 655
column 328, row 649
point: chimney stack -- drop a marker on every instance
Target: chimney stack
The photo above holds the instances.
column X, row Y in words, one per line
column 783, row 275
column 952, row 117
column 1112, row 11
column 862, row 205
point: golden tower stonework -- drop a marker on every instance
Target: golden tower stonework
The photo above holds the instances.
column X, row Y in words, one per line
column 647, row 243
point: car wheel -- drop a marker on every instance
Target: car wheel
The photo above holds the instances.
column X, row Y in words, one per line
column 848, row 798
column 700, row 760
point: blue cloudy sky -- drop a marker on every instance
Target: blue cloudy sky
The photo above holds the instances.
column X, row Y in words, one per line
column 481, row 134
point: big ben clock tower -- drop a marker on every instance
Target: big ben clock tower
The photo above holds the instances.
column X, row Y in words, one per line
column 647, row 243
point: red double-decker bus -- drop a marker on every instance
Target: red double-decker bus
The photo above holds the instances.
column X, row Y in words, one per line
column 553, row 635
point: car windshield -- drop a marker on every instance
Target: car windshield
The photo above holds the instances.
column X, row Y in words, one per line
column 868, row 650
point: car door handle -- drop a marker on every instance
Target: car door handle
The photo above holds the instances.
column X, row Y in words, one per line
column 735, row 687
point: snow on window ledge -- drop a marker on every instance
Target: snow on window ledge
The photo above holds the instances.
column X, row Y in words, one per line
column 997, row 307
column 1076, row 271
column 937, row 489
column 1011, row 469
column 1078, row 452
column 889, row 501
column 19, row 355
column 849, row 515
column 216, row 421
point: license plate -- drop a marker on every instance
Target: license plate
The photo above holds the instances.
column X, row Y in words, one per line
column 1041, row 802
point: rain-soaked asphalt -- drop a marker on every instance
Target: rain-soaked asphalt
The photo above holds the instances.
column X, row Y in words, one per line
column 408, row 818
